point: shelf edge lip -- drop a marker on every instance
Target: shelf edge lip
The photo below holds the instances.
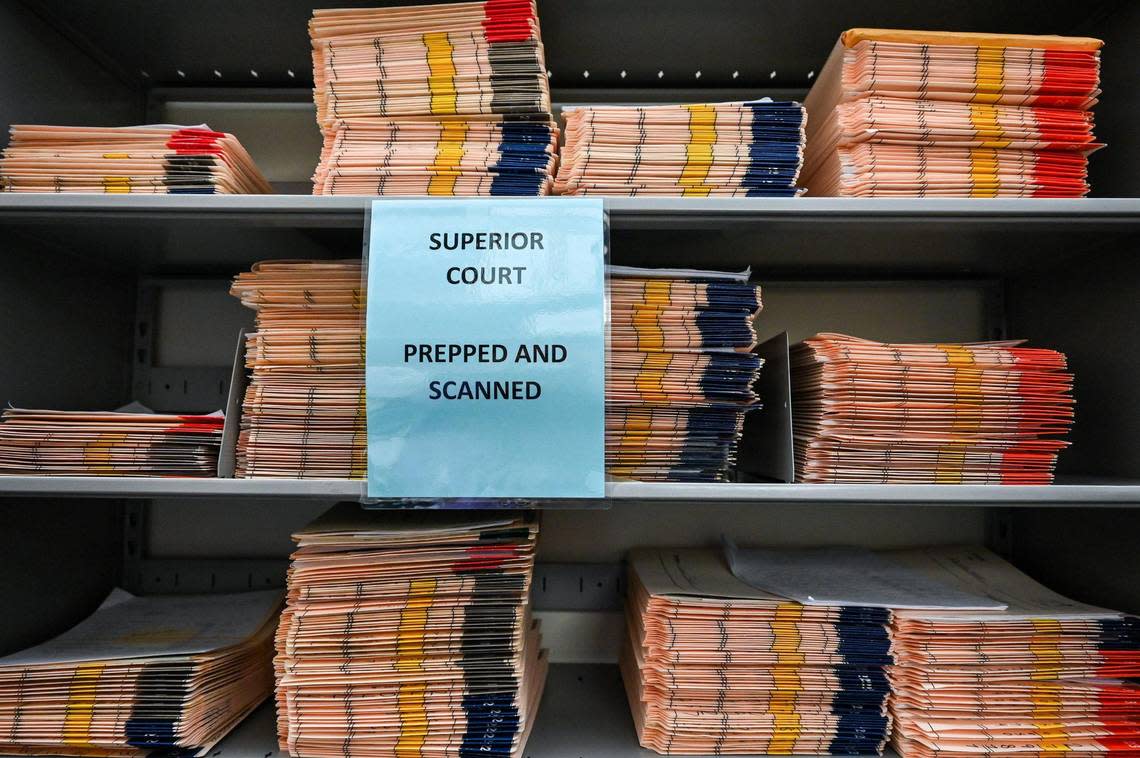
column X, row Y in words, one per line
column 351, row 208
column 1126, row 493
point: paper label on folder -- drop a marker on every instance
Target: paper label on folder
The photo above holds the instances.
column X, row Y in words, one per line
column 848, row 576
column 485, row 355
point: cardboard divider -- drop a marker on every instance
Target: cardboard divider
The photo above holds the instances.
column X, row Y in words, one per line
column 227, row 457
column 766, row 451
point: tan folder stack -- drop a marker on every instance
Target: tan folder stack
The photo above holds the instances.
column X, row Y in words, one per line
column 1048, row 676
column 446, row 99
column 981, row 413
column 103, row 443
column 135, row 159
column 898, row 113
column 745, row 149
column 679, row 372
column 713, row 665
column 303, row 412
column 155, row 675
column 409, row 634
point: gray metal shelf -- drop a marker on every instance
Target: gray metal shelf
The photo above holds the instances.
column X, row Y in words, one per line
column 584, row 714
column 1100, row 492
column 817, row 237
column 695, row 213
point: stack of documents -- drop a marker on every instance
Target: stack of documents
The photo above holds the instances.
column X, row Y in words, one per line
column 303, row 413
column 1046, row 676
column 409, row 633
column 448, row 99
column 103, row 443
column 135, row 159
column 946, row 114
column 982, row 413
column 679, row 372
column 713, row 665
column 165, row 675
column 747, row 149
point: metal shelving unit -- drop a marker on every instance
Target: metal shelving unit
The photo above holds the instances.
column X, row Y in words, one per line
column 105, row 299
column 625, row 212
column 1066, row 493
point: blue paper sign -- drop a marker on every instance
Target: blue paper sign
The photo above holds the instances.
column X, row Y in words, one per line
column 486, row 348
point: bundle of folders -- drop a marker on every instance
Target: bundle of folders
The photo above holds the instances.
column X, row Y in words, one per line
column 982, row 413
column 409, row 634
column 135, row 159
column 746, row 149
column 715, row 666
column 1046, row 676
column 159, row 675
column 946, row 114
column 103, row 443
column 448, row 99
column 679, row 372
column 303, row 412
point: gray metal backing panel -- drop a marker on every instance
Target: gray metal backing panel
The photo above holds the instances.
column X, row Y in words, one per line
column 47, row 80
column 1090, row 556
column 1090, row 311
column 258, row 42
column 60, row 559
column 1113, row 171
column 65, row 331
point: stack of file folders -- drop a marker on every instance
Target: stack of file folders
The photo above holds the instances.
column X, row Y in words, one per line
column 982, row 413
column 679, row 373
column 136, row 159
column 448, row 99
column 748, row 149
column 103, row 443
column 945, row 114
column 713, row 665
column 409, row 634
column 162, row 675
column 1046, row 676
column 303, row 412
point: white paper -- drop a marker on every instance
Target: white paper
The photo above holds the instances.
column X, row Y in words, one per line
column 128, row 628
column 679, row 273
column 971, row 569
column 693, row 573
column 204, row 127
column 849, row 576
column 134, row 407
